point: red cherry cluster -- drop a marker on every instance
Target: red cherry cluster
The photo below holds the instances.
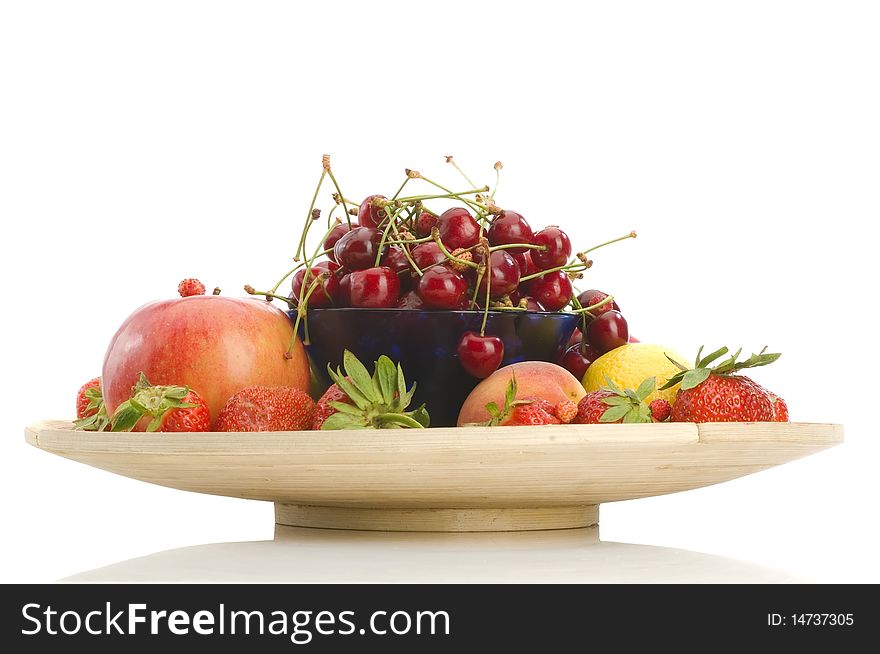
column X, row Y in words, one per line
column 603, row 329
column 398, row 253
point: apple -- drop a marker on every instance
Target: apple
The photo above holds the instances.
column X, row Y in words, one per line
column 534, row 379
column 215, row 345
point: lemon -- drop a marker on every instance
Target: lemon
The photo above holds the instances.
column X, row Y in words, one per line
column 630, row 365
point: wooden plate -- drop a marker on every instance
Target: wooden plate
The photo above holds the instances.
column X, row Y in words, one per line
column 446, row 479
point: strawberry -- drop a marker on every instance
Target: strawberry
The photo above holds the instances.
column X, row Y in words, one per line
column 161, row 408
column 717, row 394
column 532, row 413
column 780, row 408
column 324, row 410
column 615, row 405
column 261, row 408
column 90, row 409
column 189, row 287
column 376, row 401
column 660, row 410
column 566, row 411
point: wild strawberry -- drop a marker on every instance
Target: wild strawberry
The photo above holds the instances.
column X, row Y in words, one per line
column 717, row 394
column 377, row 401
column 780, row 408
column 262, row 408
column 189, row 287
column 161, row 408
column 565, row 410
column 660, row 410
column 90, row 410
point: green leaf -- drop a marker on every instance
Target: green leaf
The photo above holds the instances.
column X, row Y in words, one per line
column 398, row 420
column 675, row 363
column 142, row 382
column 693, row 378
column 421, row 416
column 632, row 417
column 401, row 385
column 645, row 413
column 155, row 423
column 614, row 414
column 697, row 359
column 611, row 386
column 406, row 399
column 175, row 392
column 674, row 380
column 126, row 417
column 510, row 391
column 616, row 400
column 344, row 407
column 709, row 358
column 493, row 409
column 387, row 376
column 359, row 376
column 353, row 393
column 631, row 394
column 94, row 394
column 342, row 421
column 646, row 388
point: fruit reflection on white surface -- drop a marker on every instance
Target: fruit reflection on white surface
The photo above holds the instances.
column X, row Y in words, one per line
column 336, row 556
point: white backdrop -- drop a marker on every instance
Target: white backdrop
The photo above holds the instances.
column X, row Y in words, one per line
column 141, row 143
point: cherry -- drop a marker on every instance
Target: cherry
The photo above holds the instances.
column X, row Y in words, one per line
column 552, row 290
column 458, row 229
column 480, row 355
column 327, row 292
column 510, row 227
column 577, row 359
column 427, row 254
column 410, row 300
column 425, row 223
column 502, row 275
column 395, row 259
column 369, row 215
column 608, row 331
column 442, row 288
column 591, row 297
column 633, row 339
column 558, row 248
column 576, row 337
column 343, row 298
column 526, row 265
column 333, row 237
column 374, row 288
column 356, row 250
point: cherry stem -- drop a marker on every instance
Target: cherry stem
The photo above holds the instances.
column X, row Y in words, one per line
column 302, row 312
column 440, row 196
column 470, row 203
column 525, row 246
column 269, row 295
column 497, row 180
column 286, row 275
column 488, row 261
column 302, row 240
column 569, row 267
column 392, row 219
column 615, row 240
column 406, row 251
column 455, row 165
column 590, row 308
column 341, row 197
column 435, row 233
column 394, row 197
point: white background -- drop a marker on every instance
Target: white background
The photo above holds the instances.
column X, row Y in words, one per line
column 141, row 143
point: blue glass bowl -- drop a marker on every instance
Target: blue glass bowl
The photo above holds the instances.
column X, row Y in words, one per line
column 425, row 343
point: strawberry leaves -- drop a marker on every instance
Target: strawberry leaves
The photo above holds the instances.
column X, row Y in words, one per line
column 379, row 401
column 499, row 416
column 627, row 404
column 700, row 372
column 149, row 400
column 98, row 420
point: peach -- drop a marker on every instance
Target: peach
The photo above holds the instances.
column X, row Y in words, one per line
column 534, row 379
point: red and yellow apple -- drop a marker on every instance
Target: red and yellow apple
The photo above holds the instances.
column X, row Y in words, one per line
column 215, row 345
column 534, row 379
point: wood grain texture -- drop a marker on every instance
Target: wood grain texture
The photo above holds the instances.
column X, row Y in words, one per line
column 550, row 468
